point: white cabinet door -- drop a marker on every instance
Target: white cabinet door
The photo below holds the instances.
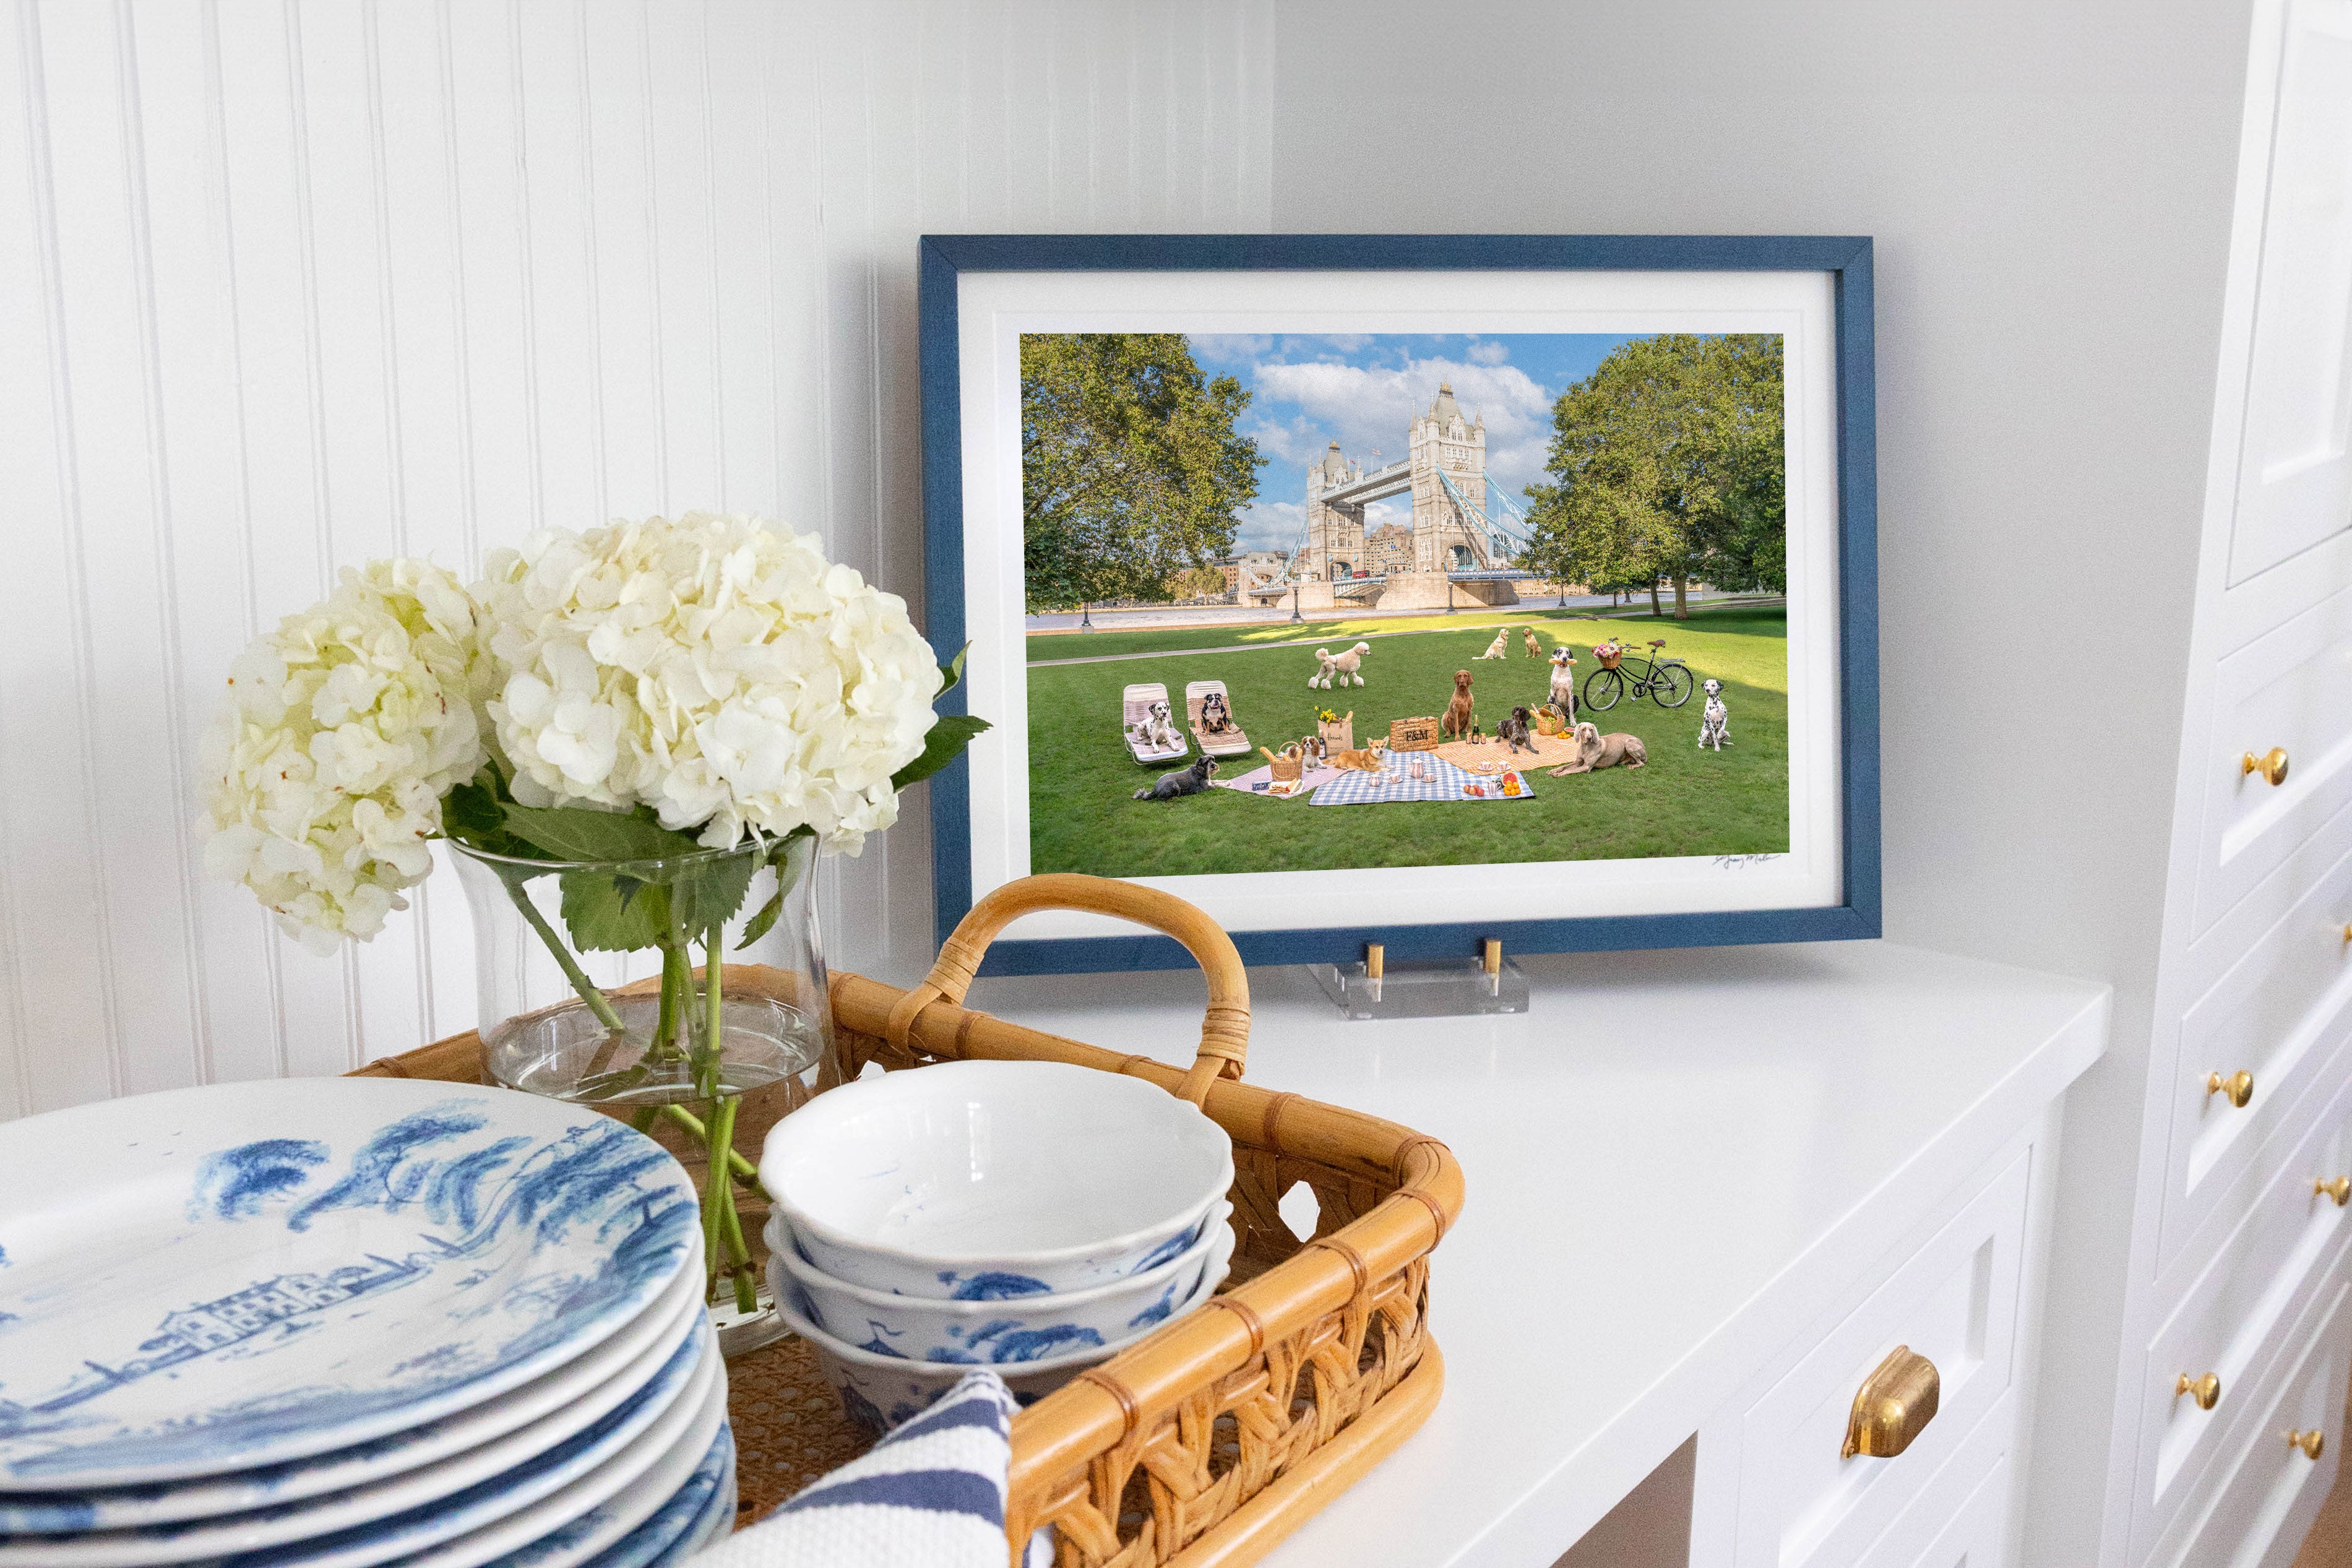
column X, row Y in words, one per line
column 2294, row 467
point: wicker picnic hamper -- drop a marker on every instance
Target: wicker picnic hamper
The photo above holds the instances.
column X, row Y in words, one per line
column 1207, row 1442
column 1414, row 734
column 1287, row 765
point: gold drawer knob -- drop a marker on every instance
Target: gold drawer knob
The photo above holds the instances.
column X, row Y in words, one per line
column 2270, row 765
column 1893, row 1407
column 2206, row 1390
column 2313, row 1443
column 2239, row 1087
column 2337, row 1188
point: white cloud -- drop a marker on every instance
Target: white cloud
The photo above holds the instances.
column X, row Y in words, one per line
column 1271, row 525
column 1488, row 352
column 1229, row 348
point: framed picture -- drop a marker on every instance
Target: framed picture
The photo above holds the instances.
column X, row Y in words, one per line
column 1414, row 590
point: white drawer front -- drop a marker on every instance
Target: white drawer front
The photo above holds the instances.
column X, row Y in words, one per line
column 2234, row 1318
column 2265, row 1507
column 1954, row 1302
column 1960, row 1519
column 1977, row 1536
column 2290, row 691
column 2279, row 1013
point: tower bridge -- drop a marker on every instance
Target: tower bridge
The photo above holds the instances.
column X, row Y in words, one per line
column 1463, row 530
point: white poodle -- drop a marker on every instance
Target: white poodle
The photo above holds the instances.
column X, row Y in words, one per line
column 1339, row 668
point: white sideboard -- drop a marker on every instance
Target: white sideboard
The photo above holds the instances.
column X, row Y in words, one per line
column 1709, row 1192
column 2235, row 1339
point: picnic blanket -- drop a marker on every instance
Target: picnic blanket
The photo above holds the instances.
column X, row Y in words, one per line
column 1445, row 781
column 1250, row 782
column 1551, row 750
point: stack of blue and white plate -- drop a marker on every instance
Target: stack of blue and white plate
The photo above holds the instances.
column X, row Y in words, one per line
column 344, row 1321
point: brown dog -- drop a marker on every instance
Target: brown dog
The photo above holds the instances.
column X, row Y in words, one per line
column 1534, row 649
column 1458, row 715
column 1595, row 751
column 1364, row 760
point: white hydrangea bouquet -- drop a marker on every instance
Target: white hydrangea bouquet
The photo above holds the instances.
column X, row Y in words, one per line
column 619, row 732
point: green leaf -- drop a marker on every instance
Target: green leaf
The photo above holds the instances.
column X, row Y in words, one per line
column 708, row 894
column 952, row 671
column 606, row 913
column 760, row 924
column 945, row 743
column 581, row 833
column 472, row 814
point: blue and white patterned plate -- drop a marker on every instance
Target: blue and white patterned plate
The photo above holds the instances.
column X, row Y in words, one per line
column 217, row 1279
column 695, row 1515
column 476, row 1442
column 570, row 1528
column 403, row 1512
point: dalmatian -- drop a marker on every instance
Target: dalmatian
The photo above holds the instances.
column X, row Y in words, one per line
column 1160, row 730
column 1714, row 724
column 1563, row 684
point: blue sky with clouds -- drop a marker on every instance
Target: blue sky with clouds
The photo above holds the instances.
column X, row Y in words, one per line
column 1363, row 390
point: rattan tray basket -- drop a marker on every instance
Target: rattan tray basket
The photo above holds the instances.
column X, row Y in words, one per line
column 1210, row 1440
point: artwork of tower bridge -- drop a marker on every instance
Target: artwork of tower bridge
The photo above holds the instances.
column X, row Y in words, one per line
column 1465, row 530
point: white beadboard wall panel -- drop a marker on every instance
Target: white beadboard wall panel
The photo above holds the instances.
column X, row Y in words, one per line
column 288, row 284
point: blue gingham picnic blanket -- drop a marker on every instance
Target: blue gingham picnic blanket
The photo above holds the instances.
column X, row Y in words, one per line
column 929, row 1495
column 1445, row 782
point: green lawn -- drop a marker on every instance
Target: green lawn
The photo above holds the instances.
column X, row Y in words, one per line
column 1686, row 801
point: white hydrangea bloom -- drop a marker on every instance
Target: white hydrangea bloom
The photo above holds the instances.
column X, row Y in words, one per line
column 716, row 668
column 344, row 728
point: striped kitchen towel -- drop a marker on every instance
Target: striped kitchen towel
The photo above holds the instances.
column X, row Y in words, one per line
column 929, row 1495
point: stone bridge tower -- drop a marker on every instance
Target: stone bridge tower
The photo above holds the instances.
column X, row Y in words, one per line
column 1334, row 532
column 1444, row 440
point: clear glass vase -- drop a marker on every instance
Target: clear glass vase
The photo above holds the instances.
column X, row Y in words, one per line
column 594, row 987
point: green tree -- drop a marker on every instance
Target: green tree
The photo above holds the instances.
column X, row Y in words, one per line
column 1669, row 464
column 1131, row 471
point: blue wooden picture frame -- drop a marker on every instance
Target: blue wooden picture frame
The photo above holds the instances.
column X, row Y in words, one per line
column 944, row 259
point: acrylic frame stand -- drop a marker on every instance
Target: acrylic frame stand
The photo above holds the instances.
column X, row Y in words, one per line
column 1440, row 988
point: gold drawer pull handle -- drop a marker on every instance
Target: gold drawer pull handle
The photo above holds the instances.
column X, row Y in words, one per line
column 2313, row 1443
column 2238, row 1086
column 2206, row 1390
column 1893, row 1407
column 2270, row 765
column 2337, row 1188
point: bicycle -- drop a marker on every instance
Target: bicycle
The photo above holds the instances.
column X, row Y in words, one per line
column 1666, row 682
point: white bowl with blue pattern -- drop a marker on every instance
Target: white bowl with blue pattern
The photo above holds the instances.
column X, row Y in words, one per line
column 964, row 1177
column 1010, row 1325
column 878, row 1391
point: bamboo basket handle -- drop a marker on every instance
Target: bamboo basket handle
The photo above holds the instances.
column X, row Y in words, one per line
column 1225, row 1033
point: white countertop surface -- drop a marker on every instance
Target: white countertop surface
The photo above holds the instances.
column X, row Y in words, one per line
column 1676, row 1162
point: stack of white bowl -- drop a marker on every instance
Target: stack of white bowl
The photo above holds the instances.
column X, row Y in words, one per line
column 1032, row 1216
column 332, row 1322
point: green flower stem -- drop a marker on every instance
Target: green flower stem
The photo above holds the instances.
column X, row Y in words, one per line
column 747, row 1281
column 719, row 1196
column 714, row 1026
column 741, row 1169
column 571, row 966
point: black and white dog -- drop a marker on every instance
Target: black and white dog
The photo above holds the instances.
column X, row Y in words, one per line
column 1563, row 685
column 1177, row 782
column 1216, row 715
column 1714, row 724
column 1513, row 732
column 1160, row 730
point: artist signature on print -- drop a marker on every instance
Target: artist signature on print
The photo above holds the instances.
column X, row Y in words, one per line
column 1734, row 862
